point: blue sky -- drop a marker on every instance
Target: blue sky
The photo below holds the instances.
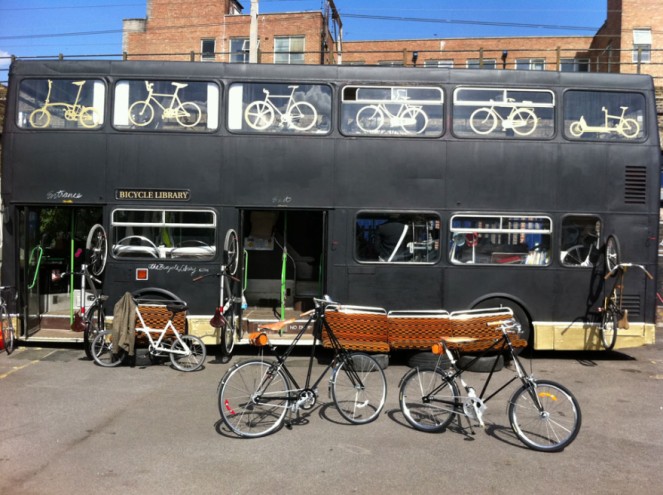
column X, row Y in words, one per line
column 31, row 28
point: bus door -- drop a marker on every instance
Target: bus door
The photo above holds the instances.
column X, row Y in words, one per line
column 51, row 241
column 283, row 260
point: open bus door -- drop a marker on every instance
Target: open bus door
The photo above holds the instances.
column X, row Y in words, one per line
column 51, row 241
column 30, row 257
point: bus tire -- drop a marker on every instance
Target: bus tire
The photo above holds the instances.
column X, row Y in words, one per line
column 519, row 314
column 426, row 359
column 482, row 365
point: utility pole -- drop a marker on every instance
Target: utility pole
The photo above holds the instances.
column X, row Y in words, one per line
column 253, row 33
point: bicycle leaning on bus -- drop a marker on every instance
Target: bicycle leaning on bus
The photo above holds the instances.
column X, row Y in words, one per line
column 8, row 336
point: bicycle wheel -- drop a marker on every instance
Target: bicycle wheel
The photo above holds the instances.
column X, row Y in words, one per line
column 576, row 129
column 575, row 255
column 228, row 336
column 612, row 253
column 414, row 121
column 483, row 121
column 89, row 117
column 524, row 122
column 97, row 249
column 231, row 252
column 544, row 415
column 608, row 328
column 259, row 115
column 370, row 119
column 188, row 114
column 428, row 399
column 95, row 324
column 359, row 401
column 629, row 128
column 303, row 116
column 104, row 352
column 7, row 331
column 253, row 398
column 191, row 360
column 40, row 118
column 141, row 113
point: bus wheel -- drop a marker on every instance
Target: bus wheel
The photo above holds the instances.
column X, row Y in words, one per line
column 519, row 314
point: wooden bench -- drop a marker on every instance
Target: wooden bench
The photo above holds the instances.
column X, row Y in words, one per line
column 358, row 328
column 155, row 317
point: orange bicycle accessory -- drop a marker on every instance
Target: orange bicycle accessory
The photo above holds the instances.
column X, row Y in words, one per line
column 258, row 339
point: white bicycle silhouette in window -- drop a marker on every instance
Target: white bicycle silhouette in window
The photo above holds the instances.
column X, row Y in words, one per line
column 627, row 127
column 411, row 118
column 299, row 115
column 522, row 120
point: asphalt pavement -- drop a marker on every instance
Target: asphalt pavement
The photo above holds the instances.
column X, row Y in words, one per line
column 69, row 426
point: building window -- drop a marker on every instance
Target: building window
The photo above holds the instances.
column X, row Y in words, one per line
column 207, row 49
column 500, row 240
column 574, row 65
column 239, row 50
column 289, row 50
column 397, row 237
column 642, row 45
column 164, row 234
column 530, row 64
column 441, row 64
column 475, row 63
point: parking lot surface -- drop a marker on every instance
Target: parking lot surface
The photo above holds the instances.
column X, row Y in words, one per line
column 69, row 426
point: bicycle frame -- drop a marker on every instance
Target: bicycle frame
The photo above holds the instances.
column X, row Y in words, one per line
column 291, row 100
column 174, row 98
column 157, row 345
column 294, row 395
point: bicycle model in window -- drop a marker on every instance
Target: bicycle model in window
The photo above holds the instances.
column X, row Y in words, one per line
column 613, row 315
column 410, row 118
column 86, row 116
column 225, row 315
column 8, row 337
column 626, row 127
column 299, row 115
column 544, row 415
column 187, row 352
column 256, row 395
column 521, row 120
column 187, row 113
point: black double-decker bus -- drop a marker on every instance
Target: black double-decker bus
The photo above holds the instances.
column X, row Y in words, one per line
column 399, row 188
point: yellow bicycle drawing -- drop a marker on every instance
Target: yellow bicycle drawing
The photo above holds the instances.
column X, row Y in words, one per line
column 261, row 114
column 86, row 116
column 627, row 127
column 522, row 120
column 187, row 113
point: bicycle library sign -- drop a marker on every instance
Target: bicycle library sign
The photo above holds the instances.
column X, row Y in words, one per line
column 153, row 194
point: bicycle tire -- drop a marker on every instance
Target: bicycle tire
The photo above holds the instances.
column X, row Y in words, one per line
column 528, row 123
column 40, row 118
column 241, row 403
column 629, row 128
column 359, row 405
column 552, row 428
column 303, row 116
column 89, row 117
column 95, row 324
column 231, row 252
column 483, row 124
column 228, row 337
column 576, row 129
column 96, row 246
column 429, row 414
column 370, row 119
column 104, row 352
column 188, row 114
column 608, row 329
column 259, row 115
column 194, row 359
column 418, row 116
column 612, row 253
column 141, row 113
column 7, row 332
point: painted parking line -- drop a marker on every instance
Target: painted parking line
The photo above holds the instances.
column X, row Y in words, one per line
column 19, row 368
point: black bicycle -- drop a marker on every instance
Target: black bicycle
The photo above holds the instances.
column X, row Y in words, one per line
column 256, row 395
column 543, row 414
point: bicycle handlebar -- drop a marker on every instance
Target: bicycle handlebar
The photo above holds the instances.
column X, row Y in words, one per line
column 324, row 302
column 86, row 273
column 624, row 267
column 217, row 274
